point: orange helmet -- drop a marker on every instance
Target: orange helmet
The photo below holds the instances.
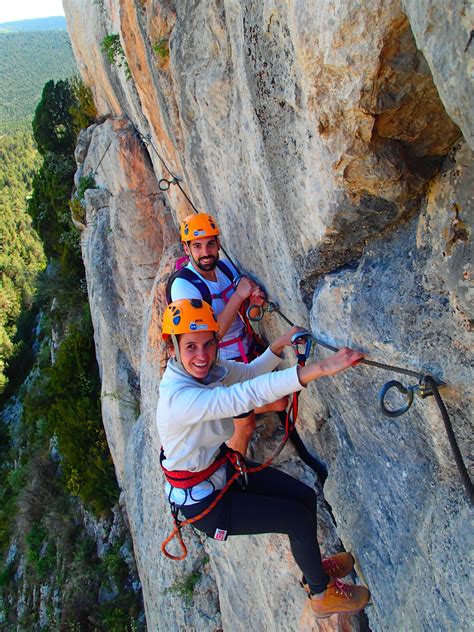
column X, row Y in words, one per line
column 198, row 225
column 186, row 316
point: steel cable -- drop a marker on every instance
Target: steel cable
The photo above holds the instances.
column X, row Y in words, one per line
column 427, row 379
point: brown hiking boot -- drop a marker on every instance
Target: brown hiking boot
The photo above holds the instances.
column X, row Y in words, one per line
column 339, row 598
column 338, row 565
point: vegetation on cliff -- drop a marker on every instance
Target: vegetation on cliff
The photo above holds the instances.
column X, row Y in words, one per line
column 21, row 252
column 57, row 480
column 112, row 47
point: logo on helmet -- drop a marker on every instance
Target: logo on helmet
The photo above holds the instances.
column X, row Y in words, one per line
column 198, row 232
column 197, row 326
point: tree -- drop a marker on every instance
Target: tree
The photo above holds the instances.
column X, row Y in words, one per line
column 53, row 126
column 83, row 110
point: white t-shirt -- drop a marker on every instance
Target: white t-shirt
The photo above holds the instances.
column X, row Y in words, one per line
column 181, row 288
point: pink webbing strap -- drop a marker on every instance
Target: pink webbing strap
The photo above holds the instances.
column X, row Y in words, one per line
column 238, row 340
column 223, row 294
column 181, row 262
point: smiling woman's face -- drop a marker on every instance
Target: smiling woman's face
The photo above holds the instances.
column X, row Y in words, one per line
column 198, row 352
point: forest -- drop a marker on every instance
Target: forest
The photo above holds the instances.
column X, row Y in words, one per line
column 27, row 61
column 56, row 471
column 21, row 251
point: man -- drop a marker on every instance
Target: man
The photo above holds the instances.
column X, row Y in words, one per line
column 208, row 277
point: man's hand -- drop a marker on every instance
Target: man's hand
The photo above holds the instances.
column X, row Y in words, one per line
column 246, row 288
column 258, row 297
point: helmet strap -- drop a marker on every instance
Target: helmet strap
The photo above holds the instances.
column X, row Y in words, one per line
column 176, row 350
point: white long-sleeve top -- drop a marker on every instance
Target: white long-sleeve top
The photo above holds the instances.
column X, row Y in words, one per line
column 195, row 417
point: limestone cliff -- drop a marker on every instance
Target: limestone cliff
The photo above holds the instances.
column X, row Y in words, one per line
column 333, row 141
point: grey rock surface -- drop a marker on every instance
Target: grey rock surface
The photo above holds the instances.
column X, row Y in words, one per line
column 443, row 32
column 404, row 485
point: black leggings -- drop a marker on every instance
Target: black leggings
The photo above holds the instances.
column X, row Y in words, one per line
column 272, row 502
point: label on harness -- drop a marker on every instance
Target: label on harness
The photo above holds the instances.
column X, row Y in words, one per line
column 220, row 534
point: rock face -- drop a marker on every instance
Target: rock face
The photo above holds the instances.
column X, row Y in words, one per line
column 333, row 141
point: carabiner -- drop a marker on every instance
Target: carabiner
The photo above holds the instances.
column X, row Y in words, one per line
column 236, row 280
column 241, row 468
column 299, row 339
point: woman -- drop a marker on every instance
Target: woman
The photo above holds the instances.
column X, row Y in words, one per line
column 199, row 396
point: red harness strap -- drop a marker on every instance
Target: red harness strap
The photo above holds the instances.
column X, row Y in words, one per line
column 223, row 294
column 183, row 479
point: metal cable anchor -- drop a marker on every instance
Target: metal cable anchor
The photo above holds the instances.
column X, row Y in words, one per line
column 165, row 184
column 422, row 389
column 144, row 139
column 255, row 313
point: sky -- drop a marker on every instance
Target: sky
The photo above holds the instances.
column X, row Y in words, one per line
column 26, row 9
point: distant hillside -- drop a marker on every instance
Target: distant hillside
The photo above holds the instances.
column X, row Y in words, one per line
column 27, row 61
column 57, row 23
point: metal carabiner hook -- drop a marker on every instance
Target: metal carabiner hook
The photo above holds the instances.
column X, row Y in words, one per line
column 236, row 280
column 389, row 412
column 242, row 469
column 299, row 339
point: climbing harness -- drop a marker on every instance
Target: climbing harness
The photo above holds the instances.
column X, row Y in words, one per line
column 427, row 386
column 184, row 480
column 192, row 277
column 182, row 272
